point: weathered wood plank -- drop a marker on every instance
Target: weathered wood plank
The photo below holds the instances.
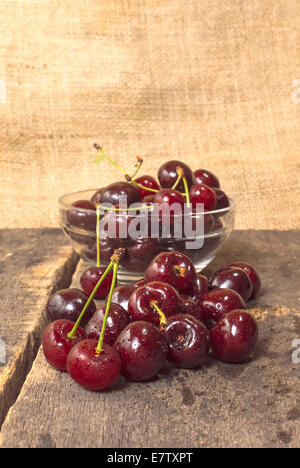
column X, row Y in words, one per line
column 250, row 405
column 34, row 262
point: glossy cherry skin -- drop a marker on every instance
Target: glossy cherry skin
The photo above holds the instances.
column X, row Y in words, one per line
column 117, row 320
column 165, row 198
column 222, row 199
column 107, row 247
column 200, row 287
column 96, row 198
column 234, row 337
column 189, row 307
column 146, row 181
column 68, row 304
column 167, row 175
column 165, row 296
column 203, row 176
column 91, row 371
column 143, row 350
column 57, row 344
column 90, row 278
column 82, row 214
column 143, row 250
column 173, row 268
column 232, row 278
column 188, row 341
column 114, row 192
column 201, row 193
column 139, row 283
column 219, row 302
column 122, row 294
column 253, row 275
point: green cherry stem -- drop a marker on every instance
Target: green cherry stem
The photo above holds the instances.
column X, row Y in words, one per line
column 105, row 156
column 98, row 234
column 138, row 166
column 180, row 173
column 99, row 348
column 73, row 331
column 162, row 317
column 187, row 193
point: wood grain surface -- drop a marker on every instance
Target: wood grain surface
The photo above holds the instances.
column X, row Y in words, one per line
column 33, row 263
column 256, row 404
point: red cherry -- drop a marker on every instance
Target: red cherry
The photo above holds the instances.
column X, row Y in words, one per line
column 222, row 199
column 253, row 275
column 114, row 192
column 117, row 320
column 122, row 294
column 68, row 304
column 188, row 341
column 91, row 277
column 203, row 176
column 91, row 370
column 165, row 296
column 146, row 181
column 167, row 175
column 219, row 302
column 189, row 307
column 82, row 215
column 234, row 337
column 167, row 198
column 143, row 350
column 201, row 193
column 57, row 344
column 232, row 278
column 96, row 198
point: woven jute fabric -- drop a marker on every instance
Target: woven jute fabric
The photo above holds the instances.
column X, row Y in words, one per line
column 213, row 83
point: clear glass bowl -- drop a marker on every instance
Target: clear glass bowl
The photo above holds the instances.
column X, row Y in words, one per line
column 80, row 227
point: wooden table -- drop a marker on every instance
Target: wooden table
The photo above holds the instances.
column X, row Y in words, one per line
column 249, row 405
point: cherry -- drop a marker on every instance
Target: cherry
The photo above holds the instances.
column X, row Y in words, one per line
column 143, row 250
column 148, row 200
column 201, row 193
column 234, row 336
column 90, row 369
column 203, row 176
column 146, row 181
column 217, row 303
column 115, row 191
column 165, row 198
column 173, row 268
column 253, row 275
column 189, row 307
column 107, row 247
column 208, row 221
column 122, row 294
column 57, row 344
column 68, row 304
column 222, row 199
column 143, row 350
column 96, row 198
column 90, row 278
column 168, row 175
column 232, row 278
column 188, row 341
column 142, row 302
column 139, row 283
column 117, row 320
column 200, row 287
column 82, row 214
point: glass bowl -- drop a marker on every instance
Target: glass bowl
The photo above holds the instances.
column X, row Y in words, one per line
column 79, row 225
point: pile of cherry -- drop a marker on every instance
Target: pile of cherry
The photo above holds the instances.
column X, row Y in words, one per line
column 172, row 314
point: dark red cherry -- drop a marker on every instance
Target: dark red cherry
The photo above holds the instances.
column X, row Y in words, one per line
column 201, row 193
column 188, row 341
column 57, row 344
column 148, row 200
column 68, row 304
column 146, row 181
column 82, row 214
column 253, row 275
column 199, row 219
column 139, row 283
column 96, row 198
column 91, row 370
column 203, row 176
column 189, row 307
column 165, row 198
column 222, row 199
column 200, row 287
column 122, row 294
column 107, row 247
column 234, row 337
column 117, row 320
column 219, row 302
column 143, row 250
column 143, row 350
column 90, row 278
column 232, row 278
column 165, row 296
column 118, row 190
column 167, row 175
column 173, row 268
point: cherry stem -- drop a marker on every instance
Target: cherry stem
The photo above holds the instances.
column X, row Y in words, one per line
column 98, row 235
column 99, row 348
column 130, row 179
column 162, row 317
column 180, row 173
column 100, row 151
column 138, row 166
column 187, row 193
column 74, row 329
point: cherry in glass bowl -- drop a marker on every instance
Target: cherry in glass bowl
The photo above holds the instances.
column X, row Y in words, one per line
column 78, row 219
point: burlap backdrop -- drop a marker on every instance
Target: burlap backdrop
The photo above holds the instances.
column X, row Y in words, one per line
column 206, row 81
